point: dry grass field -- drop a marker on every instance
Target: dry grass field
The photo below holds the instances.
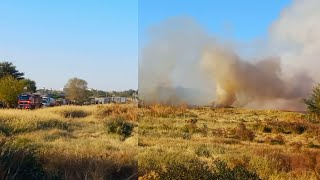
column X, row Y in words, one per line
column 69, row 142
column 103, row 142
column 226, row 143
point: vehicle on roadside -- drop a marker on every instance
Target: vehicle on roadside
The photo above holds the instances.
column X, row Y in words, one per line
column 29, row 101
column 60, row 102
column 48, row 102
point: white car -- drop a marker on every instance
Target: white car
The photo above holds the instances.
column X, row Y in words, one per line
column 48, row 102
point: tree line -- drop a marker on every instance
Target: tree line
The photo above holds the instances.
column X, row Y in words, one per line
column 13, row 83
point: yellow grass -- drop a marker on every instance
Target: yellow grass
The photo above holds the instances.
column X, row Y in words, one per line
column 74, row 139
column 72, row 142
column 285, row 145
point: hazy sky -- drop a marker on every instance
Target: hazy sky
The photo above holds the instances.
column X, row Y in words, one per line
column 97, row 40
column 52, row 41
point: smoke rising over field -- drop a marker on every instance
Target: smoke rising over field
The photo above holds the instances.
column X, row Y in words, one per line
column 182, row 63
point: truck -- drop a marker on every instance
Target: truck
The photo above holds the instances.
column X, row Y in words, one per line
column 48, row 102
column 29, row 101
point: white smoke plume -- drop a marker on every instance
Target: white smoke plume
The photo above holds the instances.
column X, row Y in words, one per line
column 181, row 63
column 295, row 37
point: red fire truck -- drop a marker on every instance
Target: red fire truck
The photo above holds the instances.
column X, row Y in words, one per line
column 29, row 101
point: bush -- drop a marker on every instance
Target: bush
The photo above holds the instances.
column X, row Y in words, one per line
column 313, row 104
column 119, row 126
column 196, row 169
column 73, row 113
column 191, row 126
column 203, row 150
column 284, row 127
column 267, row 129
column 279, row 139
column 242, row 133
column 222, row 171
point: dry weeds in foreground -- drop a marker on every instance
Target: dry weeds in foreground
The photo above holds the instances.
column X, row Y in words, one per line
column 69, row 142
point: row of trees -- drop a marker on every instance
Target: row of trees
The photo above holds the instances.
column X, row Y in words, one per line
column 13, row 83
column 77, row 91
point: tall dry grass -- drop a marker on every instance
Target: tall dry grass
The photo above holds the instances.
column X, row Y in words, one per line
column 273, row 144
column 67, row 142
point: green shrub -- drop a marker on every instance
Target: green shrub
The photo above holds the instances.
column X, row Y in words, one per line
column 119, row 126
column 313, row 104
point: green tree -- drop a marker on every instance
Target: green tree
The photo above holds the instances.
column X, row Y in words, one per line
column 313, row 104
column 8, row 69
column 30, row 85
column 97, row 93
column 101, row 93
column 10, row 88
column 76, row 90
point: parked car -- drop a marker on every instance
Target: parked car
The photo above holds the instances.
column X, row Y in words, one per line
column 48, row 102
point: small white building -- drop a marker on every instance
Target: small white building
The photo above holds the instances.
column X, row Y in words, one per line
column 118, row 99
column 106, row 100
column 101, row 100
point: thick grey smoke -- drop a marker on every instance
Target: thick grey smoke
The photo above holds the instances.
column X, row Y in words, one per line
column 256, row 84
column 181, row 63
column 169, row 69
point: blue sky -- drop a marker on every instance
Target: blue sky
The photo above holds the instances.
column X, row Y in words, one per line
column 53, row 41
column 242, row 21
column 97, row 40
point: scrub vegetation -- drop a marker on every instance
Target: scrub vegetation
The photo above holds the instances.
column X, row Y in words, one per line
column 69, row 142
column 227, row 143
